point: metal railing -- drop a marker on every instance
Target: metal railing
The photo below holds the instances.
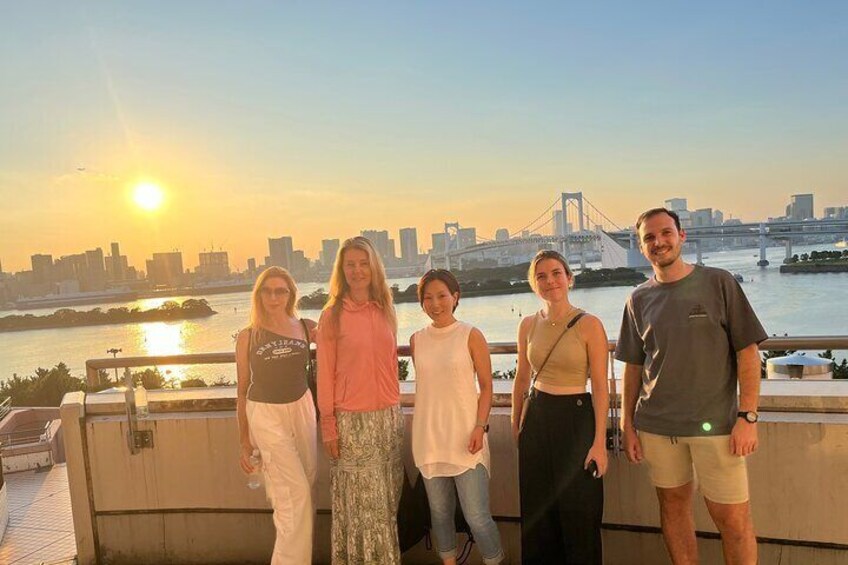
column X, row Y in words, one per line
column 5, row 407
column 94, row 366
column 22, row 437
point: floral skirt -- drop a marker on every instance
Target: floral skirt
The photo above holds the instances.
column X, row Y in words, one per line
column 367, row 480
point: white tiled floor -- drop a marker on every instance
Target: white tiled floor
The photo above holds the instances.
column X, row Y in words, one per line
column 40, row 529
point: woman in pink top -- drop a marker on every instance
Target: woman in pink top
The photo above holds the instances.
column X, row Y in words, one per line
column 358, row 399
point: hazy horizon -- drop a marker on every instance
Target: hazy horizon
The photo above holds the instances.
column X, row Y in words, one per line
column 318, row 120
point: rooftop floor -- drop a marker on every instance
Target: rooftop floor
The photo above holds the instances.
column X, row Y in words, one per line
column 41, row 529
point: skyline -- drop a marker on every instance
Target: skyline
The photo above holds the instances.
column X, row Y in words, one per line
column 395, row 239
column 319, row 121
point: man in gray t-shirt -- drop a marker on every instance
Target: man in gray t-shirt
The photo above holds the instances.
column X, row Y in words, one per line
column 688, row 335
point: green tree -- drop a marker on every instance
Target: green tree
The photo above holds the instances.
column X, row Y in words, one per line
column 403, row 369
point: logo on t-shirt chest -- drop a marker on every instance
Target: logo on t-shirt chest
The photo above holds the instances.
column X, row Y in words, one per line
column 698, row 312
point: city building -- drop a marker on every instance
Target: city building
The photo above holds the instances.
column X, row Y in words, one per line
column 165, row 269
column 251, row 266
column 677, row 204
column 42, row 268
column 213, row 265
column 502, row 234
column 299, row 263
column 800, row 207
column 280, row 252
column 466, row 237
column 117, row 266
column 440, row 243
column 380, row 239
column 718, row 218
column 836, row 213
column 409, row 245
column 702, row 218
column 329, row 250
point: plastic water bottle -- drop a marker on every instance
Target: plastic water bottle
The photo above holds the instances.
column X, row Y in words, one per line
column 141, row 410
column 254, row 480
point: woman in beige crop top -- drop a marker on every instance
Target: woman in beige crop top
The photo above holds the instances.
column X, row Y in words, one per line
column 562, row 442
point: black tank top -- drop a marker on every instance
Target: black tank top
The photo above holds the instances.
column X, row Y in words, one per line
column 278, row 368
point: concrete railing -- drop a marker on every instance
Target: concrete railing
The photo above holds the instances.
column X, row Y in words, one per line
column 183, row 499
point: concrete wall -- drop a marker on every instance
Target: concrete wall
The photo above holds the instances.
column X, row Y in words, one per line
column 34, row 455
column 185, row 500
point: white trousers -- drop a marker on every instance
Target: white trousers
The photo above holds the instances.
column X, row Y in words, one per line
column 286, row 436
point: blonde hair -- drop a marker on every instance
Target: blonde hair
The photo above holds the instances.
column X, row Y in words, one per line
column 258, row 315
column 379, row 290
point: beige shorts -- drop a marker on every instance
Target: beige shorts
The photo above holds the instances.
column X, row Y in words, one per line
column 722, row 476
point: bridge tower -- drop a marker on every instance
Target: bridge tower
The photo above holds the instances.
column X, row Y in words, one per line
column 577, row 199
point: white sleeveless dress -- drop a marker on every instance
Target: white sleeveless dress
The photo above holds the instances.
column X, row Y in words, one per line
column 446, row 394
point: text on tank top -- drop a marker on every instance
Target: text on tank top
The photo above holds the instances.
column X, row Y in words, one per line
column 278, row 368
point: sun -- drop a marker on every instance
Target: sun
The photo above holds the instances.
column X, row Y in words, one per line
column 148, row 196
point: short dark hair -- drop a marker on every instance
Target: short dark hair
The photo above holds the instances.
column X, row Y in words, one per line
column 648, row 214
column 438, row 275
column 541, row 256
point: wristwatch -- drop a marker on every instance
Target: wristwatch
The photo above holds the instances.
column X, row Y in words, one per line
column 750, row 417
column 483, row 425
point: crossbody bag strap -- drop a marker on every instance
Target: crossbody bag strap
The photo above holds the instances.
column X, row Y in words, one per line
column 311, row 378
column 310, row 366
column 570, row 325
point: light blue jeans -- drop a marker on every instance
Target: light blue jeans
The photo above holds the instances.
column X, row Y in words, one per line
column 473, row 489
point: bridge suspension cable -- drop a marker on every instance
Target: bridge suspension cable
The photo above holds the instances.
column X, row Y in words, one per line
column 601, row 214
column 539, row 217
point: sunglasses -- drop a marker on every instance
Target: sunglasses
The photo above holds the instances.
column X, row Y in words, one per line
column 278, row 292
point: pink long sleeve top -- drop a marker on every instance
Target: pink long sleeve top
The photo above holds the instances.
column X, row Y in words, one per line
column 357, row 364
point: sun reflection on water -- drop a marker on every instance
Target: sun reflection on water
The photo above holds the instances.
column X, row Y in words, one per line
column 165, row 338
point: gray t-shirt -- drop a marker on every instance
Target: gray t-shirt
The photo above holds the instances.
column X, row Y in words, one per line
column 686, row 334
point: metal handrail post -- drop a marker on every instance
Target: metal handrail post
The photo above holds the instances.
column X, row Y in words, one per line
column 132, row 422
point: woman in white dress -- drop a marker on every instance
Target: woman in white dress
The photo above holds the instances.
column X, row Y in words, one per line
column 451, row 419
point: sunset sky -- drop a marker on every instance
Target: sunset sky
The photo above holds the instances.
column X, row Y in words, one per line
column 319, row 119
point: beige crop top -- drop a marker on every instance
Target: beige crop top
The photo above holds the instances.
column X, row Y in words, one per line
column 568, row 365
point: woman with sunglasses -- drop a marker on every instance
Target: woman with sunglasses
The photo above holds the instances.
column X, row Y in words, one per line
column 359, row 402
column 451, row 419
column 562, row 438
column 275, row 411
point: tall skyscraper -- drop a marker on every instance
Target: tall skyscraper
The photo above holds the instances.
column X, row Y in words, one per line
column 165, row 269
column 280, row 252
column 329, row 250
column 251, row 265
column 116, row 264
column 95, row 277
column 42, row 268
column 801, row 207
column 409, row 245
column 213, row 265
column 380, row 239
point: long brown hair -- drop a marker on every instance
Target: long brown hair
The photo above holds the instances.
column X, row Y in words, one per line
column 379, row 290
column 258, row 315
